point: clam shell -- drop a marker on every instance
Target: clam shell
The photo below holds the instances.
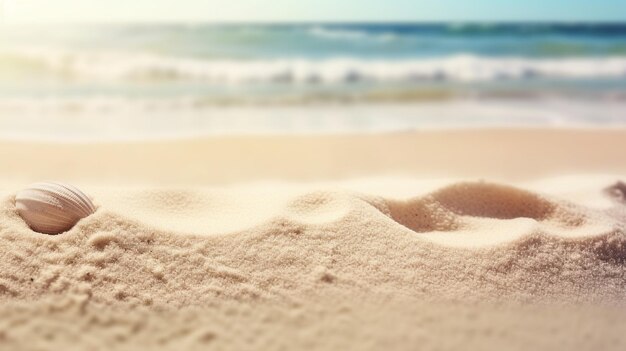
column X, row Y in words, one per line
column 52, row 207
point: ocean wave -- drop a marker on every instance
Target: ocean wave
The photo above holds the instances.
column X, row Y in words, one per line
column 349, row 34
column 127, row 67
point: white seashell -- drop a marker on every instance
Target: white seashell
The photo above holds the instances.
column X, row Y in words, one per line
column 52, row 207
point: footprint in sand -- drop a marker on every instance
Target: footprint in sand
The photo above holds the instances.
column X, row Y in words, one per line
column 617, row 191
column 483, row 214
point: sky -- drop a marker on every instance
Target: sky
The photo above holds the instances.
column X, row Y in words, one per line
column 55, row 11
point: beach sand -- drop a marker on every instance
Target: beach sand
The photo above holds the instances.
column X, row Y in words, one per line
column 440, row 240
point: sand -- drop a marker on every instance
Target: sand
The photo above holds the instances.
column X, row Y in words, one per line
column 468, row 239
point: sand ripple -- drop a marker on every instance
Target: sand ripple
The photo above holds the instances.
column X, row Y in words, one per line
column 470, row 240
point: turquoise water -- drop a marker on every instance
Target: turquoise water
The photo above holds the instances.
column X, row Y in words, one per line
column 149, row 69
column 323, row 41
column 314, row 59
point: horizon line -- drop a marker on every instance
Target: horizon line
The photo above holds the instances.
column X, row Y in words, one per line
column 311, row 21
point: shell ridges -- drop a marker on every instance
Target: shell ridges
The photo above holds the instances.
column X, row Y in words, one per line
column 52, row 207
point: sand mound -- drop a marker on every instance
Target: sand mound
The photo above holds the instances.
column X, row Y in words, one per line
column 273, row 259
column 186, row 247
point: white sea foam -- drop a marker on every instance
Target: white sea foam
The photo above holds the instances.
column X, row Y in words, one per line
column 349, row 34
column 124, row 66
column 117, row 118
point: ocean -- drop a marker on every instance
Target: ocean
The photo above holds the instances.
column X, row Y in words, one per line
column 112, row 80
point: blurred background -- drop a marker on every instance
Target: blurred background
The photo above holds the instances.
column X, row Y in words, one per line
column 112, row 70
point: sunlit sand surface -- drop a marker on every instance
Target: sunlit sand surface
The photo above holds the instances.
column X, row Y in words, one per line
column 439, row 240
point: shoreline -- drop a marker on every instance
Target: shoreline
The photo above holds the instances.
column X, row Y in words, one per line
column 38, row 140
column 501, row 154
column 103, row 123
